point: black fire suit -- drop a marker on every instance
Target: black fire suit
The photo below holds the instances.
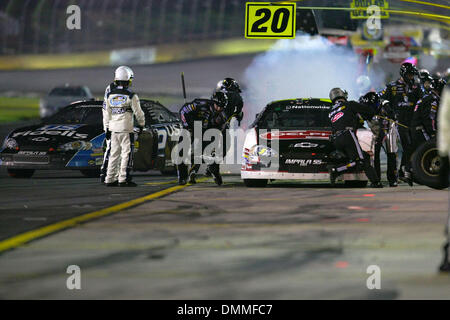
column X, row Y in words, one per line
column 199, row 110
column 234, row 106
column 403, row 98
column 344, row 122
column 424, row 121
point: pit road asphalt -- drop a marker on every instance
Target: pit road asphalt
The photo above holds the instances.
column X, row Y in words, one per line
column 286, row 241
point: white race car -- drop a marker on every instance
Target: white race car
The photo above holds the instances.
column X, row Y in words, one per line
column 290, row 140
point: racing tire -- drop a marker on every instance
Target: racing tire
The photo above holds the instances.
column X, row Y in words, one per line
column 20, row 173
column 425, row 164
column 355, row 184
column 255, row 183
column 91, row 173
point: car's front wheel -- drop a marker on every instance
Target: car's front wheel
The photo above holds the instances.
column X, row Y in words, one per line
column 255, row 183
column 91, row 173
column 20, row 173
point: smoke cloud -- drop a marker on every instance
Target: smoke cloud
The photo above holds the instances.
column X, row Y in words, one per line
column 304, row 67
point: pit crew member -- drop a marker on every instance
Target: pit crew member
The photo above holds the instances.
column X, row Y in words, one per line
column 443, row 142
column 385, row 132
column 424, row 121
column 210, row 113
column 235, row 103
column 344, row 122
column 403, row 95
column 121, row 105
column 111, row 86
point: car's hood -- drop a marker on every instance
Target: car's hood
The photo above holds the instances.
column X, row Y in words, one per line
column 50, row 134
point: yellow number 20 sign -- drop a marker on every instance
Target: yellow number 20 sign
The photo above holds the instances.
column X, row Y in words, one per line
column 269, row 20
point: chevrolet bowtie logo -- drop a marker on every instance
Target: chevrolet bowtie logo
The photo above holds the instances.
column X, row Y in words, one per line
column 305, row 145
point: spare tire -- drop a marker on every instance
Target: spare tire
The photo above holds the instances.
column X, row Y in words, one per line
column 425, row 164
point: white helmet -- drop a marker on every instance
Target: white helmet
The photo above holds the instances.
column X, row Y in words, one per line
column 123, row 73
column 130, row 71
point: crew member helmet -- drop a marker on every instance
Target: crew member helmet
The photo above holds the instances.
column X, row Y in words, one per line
column 372, row 99
column 123, row 75
column 337, row 93
column 228, row 84
column 220, row 98
column 406, row 69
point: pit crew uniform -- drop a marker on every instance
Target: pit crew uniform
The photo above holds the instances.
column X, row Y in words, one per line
column 443, row 142
column 121, row 105
column 424, row 121
column 234, row 106
column 199, row 110
column 403, row 98
column 344, row 122
column 104, row 167
column 385, row 137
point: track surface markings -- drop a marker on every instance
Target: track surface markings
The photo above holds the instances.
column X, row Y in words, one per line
column 26, row 237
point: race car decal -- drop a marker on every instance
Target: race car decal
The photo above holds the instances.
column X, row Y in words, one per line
column 304, row 162
column 62, row 127
column 83, row 158
column 337, row 116
column 299, row 134
column 117, row 100
column 50, row 130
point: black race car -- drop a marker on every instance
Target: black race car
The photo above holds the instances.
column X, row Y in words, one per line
column 290, row 140
column 74, row 139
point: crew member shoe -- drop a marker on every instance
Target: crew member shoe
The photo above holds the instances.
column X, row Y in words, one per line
column 393, row 184
column 182, row 182
column 408, row 178
column 445, row 265
column 192, row 178
column 208, row 173
column 376, row 185
column 102, row 178
column 217, row 178
column 333, row 175
column 112, row 184
column 127, row 184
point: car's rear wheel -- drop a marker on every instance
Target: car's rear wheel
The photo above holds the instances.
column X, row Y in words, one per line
column 91, row 173
column 355, row 184
column 425, row 164
column 255, row 183
column 20, row 173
